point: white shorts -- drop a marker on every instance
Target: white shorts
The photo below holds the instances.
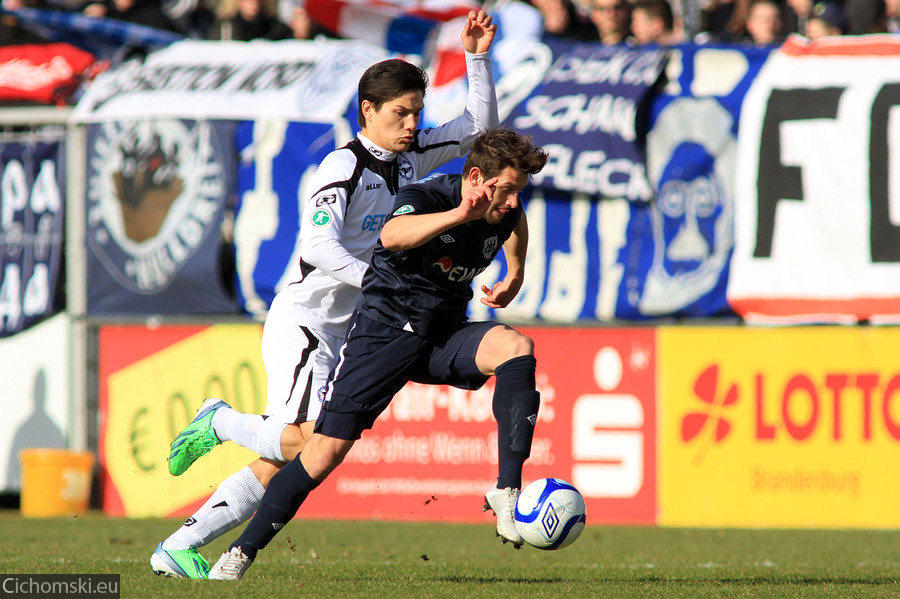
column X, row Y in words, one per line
column 298, row 361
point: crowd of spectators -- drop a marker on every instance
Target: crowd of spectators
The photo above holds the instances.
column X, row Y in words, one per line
column 235, row 20
column 760, row 22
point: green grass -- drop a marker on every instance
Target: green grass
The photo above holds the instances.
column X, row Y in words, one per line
column 334, row 560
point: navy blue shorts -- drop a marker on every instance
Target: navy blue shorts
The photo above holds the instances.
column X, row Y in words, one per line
column 378, row 360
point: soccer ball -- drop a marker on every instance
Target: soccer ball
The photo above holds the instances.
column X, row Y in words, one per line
column 550, row 513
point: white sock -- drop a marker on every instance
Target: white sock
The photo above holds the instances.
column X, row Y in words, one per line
column 268, row 439
column 240, row 428
column 233, row 502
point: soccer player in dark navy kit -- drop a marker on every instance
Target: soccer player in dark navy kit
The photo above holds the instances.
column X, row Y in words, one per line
column 410, row 324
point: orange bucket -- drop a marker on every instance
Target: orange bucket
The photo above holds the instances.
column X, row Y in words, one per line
column 55, row 482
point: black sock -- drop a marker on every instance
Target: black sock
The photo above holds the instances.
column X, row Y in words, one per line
column 286, row 491
column 515, row 407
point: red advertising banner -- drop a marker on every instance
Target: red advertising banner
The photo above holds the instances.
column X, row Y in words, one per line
column 432, row 454
column 44, row 73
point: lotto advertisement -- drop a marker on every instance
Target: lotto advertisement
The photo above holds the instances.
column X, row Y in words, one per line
column 779, row 427
column 431, row 456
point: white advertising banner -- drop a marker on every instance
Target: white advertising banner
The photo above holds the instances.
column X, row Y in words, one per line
column 818, row 197
column 308, row 81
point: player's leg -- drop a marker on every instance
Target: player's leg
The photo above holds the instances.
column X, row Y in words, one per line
column 373, row 367
column 298, row 360
column 509, row 356
column 232, row 503
column 237, row 498
column 465, row 356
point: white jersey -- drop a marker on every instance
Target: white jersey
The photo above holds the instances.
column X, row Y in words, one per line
column 352, row 192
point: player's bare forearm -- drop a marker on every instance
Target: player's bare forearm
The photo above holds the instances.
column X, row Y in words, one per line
column 412, row 230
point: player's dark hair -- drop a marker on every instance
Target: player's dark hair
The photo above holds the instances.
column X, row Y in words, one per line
column 389, row 79
column 499, row 148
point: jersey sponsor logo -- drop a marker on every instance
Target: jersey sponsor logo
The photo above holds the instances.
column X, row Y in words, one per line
column 404, row 209
column 320, row 218
column 331, row 198
column 447, row 238
column 444, row 264
column 153, row 191
column 373, row 222
column 491, row 245
column 371, row 186
column 457, row 274
column 406, row 169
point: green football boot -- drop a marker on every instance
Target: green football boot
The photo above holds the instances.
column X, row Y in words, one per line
column 179, row 563
column 197, row 439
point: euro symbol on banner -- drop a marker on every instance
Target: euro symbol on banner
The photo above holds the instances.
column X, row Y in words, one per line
column 137, row 447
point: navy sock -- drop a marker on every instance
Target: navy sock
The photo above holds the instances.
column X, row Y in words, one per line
column 515, row 407
column 286, row 491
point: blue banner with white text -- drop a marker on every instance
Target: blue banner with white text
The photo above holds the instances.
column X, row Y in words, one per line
column 587, row 113
column 31, row 231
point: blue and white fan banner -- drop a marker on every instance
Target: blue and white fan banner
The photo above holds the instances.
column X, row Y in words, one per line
column 608, row 259
column 586, row 113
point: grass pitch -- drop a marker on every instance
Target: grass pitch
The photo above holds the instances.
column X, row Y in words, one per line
column 338, row 559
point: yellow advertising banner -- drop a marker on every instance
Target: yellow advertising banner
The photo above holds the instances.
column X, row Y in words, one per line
column 783, row 427
column 152, row 382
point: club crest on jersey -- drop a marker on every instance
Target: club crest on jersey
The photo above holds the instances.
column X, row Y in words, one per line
column 331, row 198
column 320, row 218
column 490, row 247
column 404, row 209
column 406, row 169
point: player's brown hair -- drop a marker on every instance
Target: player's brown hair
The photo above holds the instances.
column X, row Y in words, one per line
column 497, row 149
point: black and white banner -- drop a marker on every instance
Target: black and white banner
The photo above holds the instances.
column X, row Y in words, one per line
column 818, row 198
column 294, row 80
column 31, row 231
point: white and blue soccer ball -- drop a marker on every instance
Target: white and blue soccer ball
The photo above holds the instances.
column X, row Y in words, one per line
column 550, row 513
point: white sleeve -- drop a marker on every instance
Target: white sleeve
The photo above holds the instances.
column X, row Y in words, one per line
column 322, row 223
column 480, row 115
column 481, row 101
column 328, row 255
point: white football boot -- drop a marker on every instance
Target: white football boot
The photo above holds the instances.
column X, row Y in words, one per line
column 231, row 566
column 503, row 503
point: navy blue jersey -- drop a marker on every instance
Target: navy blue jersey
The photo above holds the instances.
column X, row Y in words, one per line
column 433, row 282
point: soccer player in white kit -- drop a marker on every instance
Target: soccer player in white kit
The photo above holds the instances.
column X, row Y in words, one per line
column 352, row 192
